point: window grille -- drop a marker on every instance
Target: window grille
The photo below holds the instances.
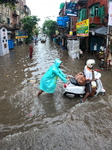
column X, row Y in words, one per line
column 97, row 11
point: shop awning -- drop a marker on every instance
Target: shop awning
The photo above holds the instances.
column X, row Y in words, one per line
column 99, row 30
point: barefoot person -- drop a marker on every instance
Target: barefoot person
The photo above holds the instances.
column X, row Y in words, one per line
column 49, row 79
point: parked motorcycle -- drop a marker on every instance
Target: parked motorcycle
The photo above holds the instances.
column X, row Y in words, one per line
column 71, row 88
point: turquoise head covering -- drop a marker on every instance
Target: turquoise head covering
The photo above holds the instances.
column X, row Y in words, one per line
column 57, row 62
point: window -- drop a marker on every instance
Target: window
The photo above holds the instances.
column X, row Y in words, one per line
column 103, row 10
column 94, row 11
column 8, row 20
column 82, row 14
column 97, row 11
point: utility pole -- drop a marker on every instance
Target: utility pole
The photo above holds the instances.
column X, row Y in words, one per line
column 109, row 32
column 86, row 37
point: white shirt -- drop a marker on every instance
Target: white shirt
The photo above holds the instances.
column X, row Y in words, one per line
column 95, row 47
column 102, row 48
column 88, row 73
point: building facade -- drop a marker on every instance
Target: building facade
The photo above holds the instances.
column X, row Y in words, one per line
column 97, row 13
column 11, row 18
column 78, row 10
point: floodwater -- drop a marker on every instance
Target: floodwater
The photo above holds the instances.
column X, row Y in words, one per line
column 52, row 121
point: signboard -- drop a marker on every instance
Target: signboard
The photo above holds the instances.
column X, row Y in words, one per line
column 82, row 28
column 21, row 34
column 110, row 14
column 72, row 9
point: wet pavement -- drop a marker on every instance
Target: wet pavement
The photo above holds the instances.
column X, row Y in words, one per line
column 52, row 121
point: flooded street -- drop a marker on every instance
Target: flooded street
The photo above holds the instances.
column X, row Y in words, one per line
column 52, row 121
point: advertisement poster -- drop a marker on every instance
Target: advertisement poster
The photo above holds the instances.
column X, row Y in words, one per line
column 110, row 14
column 82, row 28
column 72, row 9
column 21, row 34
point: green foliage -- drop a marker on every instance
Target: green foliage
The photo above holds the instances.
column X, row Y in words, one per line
column 12, row 6
column 36, row 31
column 29, row 24
column 49, row 27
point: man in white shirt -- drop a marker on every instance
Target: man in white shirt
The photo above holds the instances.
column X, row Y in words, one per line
column 88, row 69
column 102, row 48
column 95, row 47
column 102, row 52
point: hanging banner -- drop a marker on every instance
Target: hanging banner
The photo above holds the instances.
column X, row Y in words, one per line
column 110, row 14
column 82, row 28
column 21, row 34
column 71, row 9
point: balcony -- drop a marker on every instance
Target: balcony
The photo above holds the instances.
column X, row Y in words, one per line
column 82, row 2
column 16, row 26
column 15, row 13
column 95, row 20
column 26, row 10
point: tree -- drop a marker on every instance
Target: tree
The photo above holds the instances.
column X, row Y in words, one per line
column 36, row 31
column 29, row 24
column 49, row 27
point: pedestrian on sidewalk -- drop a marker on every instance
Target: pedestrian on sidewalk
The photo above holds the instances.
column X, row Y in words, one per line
column 95, row 49
column 102, row 48
column 102, row 52
column 31, row 50
column 49, row 79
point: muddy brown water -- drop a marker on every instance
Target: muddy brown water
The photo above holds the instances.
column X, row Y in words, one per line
column 51, row 122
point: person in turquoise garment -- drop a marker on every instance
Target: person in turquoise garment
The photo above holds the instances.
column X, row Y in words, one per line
column 49, row 80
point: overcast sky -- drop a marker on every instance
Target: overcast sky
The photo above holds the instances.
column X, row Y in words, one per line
column 44, row 8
